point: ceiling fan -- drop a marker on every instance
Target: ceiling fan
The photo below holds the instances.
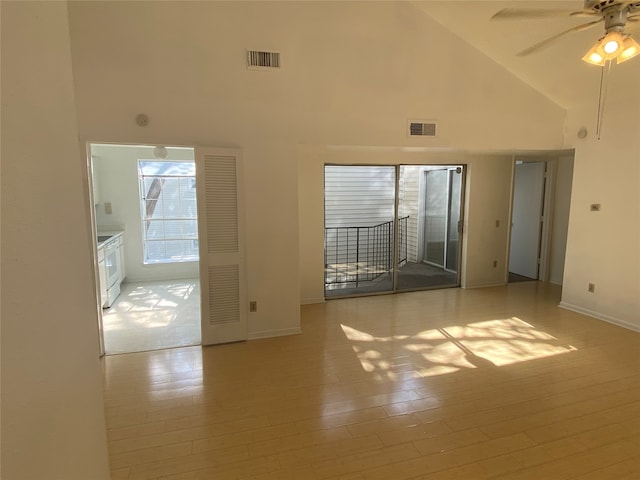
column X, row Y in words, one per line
column 615, row 44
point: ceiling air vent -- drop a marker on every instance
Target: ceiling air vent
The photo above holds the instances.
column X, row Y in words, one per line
column 422, row 129
column 257, row 60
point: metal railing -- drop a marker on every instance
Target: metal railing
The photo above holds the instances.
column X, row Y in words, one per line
column 353, row 255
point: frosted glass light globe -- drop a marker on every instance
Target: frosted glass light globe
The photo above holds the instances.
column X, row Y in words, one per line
column 611, row 46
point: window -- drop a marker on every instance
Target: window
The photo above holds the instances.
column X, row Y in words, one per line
column 169, row 211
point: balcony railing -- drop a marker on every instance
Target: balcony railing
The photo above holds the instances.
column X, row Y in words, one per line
column 353, row 255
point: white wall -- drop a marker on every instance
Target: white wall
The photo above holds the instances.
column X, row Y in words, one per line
column 353, row 73
column 52, row 409
column 116, row 168
column 604, row 247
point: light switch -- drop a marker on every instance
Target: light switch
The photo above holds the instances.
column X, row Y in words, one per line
column 595, row 207
column 107, row 208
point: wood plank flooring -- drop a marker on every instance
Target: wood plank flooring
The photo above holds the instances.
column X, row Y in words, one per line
column 494, row 383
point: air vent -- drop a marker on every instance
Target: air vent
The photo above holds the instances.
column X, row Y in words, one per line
column 422, row 129
column 257, row 60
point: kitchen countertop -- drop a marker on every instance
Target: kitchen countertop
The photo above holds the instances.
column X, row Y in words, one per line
column 105, row 236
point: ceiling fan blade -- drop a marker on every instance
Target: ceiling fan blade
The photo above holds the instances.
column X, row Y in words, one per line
column 632, row 6
column 585, row 14
column 634, row 24
column 549, row 40
column 526, row 13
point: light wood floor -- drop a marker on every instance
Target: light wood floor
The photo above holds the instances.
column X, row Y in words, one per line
column 453, row 384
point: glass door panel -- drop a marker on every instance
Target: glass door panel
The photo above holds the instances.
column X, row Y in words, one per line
column 429, row 202
column 435, row 214
column 359, row 229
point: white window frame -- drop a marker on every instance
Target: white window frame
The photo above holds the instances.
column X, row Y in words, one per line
column 142, row 194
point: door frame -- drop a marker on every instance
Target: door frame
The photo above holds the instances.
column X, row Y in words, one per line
column 89, row 176
column 87, row 167
column 420, row 225
column 546, row 215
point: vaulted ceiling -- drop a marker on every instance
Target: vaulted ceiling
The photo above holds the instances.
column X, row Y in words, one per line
column 557, row 70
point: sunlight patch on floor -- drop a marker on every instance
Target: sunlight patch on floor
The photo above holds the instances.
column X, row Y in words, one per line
column 153, row 316
column 491, row 343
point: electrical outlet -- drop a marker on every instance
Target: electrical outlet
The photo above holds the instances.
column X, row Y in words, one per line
column 253, row 306
column 497, row 223
column 495, row 264
column 592, row 287
column 107, row 208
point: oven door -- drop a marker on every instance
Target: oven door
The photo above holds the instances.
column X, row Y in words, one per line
column 111, row 261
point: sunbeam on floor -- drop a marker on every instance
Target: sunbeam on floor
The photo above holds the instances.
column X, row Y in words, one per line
column 490, row 343
column 153, row 316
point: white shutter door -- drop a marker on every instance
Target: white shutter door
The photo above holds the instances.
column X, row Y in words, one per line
column 222, row 272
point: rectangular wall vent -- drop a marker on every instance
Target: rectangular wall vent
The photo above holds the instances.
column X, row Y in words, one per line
column 422, row 129
column 257, row 60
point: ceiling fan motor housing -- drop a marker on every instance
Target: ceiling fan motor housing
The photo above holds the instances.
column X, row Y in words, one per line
column 599, row 5
column 614, row 12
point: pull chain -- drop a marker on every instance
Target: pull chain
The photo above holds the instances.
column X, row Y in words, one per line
column 602, row 97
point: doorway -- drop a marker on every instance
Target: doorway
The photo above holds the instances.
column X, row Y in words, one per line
column 392, row 228
column 540, row 217
column 144, row 201
column 527, row 220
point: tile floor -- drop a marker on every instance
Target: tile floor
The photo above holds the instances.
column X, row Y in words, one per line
column 152, row 316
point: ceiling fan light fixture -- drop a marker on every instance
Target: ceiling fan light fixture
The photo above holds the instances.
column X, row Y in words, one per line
column 630, row 49
column 593, row 56
column 613, row 45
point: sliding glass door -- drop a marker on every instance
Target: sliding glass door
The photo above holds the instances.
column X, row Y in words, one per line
column 391, row 228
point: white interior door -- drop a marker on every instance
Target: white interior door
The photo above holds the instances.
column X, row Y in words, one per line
column 528, row 195
column 221, row 245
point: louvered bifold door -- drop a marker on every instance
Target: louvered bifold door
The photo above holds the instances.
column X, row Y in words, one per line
column 221, row 246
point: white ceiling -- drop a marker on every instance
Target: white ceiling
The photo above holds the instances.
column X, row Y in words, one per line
column 557, row 70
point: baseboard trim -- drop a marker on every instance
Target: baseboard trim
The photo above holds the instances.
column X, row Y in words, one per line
column 311, row 301
column 600, row 316
column 484, row 285
column 274, row 333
